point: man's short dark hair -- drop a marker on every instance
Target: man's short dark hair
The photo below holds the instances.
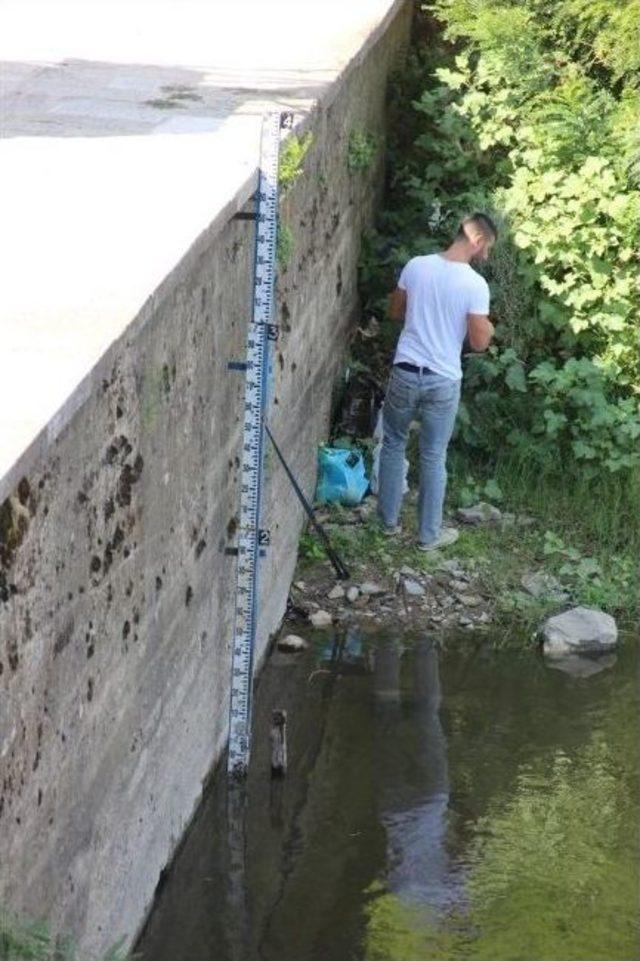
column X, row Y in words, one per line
column 483, row 222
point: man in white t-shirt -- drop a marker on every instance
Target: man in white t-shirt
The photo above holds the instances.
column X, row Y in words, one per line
column 442, row 300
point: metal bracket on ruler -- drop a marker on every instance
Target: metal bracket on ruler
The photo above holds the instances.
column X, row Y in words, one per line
column 264, row 540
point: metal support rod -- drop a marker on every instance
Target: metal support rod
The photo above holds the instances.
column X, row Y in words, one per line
column 341, row 571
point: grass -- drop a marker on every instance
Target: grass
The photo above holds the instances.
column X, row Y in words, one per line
column 586, row 534
column 23, row 939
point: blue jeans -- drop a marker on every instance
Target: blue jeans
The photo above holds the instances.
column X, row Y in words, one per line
column 432, row 400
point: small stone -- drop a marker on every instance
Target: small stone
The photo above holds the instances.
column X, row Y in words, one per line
column 408, row 571
column 321, row 619
column 413, row 588
column 444, row 580
column 370, row 588
column 459, row 586
column 300, row 585
column 525, row 520
column 483, row 618
column 481, row 513
column 336, row 592
column 464, row 621
column 353, row 593
column 580, row 630
column 471, row 600
column 292, row 643
column 543, row 584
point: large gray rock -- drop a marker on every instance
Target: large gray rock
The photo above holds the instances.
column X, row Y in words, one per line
column 480, row 513
column 580, row 630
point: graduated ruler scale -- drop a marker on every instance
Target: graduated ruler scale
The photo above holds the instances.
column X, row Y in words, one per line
column 252, row 539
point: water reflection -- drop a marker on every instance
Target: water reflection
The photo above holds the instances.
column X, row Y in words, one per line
column 413, row 778
column 449, row 805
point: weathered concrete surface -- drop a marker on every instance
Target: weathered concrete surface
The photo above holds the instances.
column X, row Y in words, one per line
column 115, row 596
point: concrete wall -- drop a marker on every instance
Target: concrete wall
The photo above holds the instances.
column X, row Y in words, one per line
column 116, row 598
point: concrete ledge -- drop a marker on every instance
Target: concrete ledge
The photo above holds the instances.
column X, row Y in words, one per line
column 110, row 175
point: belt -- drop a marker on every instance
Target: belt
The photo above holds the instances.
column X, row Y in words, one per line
column 413, row 369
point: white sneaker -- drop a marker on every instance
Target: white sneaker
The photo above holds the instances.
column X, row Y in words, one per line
column 448, row 535
column 390, row 531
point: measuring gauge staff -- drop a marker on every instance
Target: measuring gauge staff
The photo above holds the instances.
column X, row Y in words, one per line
column 252, row 540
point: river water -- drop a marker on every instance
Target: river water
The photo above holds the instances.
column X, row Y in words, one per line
column 442, row 804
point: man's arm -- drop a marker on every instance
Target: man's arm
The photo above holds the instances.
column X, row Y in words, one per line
column 480, row 331
column 397, row 304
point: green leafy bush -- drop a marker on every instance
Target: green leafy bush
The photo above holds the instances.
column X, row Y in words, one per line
column 528, row 116
column 292, row 154
column 559, row 412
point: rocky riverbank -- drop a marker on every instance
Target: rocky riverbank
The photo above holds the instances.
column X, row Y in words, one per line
column 392, row 582
column 496, row 579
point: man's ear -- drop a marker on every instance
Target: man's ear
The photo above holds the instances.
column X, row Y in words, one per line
column 474, row 236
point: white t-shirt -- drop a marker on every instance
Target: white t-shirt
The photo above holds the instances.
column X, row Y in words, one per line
column 440, row 294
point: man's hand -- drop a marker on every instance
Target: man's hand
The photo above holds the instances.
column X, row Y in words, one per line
column 397, row 304
column 480, row 331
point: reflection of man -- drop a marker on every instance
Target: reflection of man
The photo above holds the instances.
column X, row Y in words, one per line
column 415, row 781
column 442, row 300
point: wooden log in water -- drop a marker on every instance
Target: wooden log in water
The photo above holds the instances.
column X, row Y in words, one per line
column 278, row 738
